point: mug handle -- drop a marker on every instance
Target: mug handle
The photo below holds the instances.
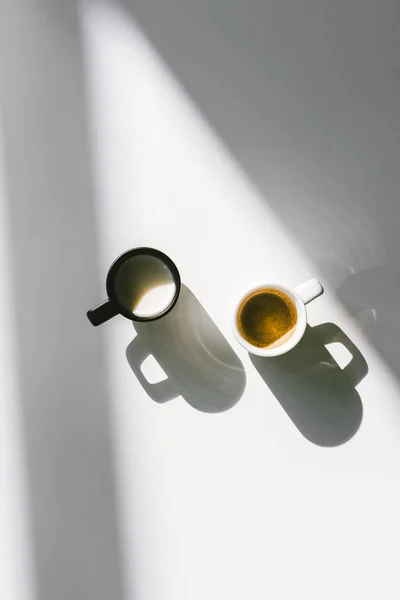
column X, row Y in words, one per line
column 136, row 354
column 102, row 313
column 309, row 290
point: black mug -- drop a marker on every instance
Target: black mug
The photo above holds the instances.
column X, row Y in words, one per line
column 143, row 284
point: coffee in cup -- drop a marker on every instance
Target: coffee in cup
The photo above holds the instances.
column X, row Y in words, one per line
column 267, row 318
column 270, row 319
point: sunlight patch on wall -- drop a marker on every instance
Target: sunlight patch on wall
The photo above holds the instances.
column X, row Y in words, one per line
column 164, row 178
column 153, row 148
column 16, row 573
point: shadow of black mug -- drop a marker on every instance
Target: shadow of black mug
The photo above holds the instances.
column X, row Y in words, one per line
column 143, row 284
column 198, row 361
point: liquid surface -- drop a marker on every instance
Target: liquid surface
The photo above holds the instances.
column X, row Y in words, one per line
column 267, row 318
column 144, row 285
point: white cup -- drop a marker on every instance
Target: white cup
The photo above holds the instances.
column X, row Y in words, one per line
column 300, row 296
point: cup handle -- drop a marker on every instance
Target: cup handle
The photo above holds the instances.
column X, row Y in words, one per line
column 102, row 313
column 136, row 354
column 309, row 290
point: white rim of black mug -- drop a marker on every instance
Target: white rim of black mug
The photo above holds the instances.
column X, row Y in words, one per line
column 112, row 307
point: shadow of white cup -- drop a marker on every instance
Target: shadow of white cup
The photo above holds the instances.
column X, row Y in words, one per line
column 301, row 295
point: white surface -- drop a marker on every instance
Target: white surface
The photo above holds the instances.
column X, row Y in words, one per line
column 238, row 504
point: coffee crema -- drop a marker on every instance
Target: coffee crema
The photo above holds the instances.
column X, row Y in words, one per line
column 267, row 318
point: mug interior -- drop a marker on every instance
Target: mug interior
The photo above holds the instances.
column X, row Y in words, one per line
column 299, row 328
column 144, row 284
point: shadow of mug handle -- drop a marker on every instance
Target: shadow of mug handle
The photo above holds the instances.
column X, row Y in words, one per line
column 357, row 368
column 136, row 354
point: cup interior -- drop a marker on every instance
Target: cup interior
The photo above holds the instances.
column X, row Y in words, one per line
column 298, row 330
column 144, row 283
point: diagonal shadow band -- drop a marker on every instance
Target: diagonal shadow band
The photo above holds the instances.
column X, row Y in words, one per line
column 200, row 364
column 318, row 396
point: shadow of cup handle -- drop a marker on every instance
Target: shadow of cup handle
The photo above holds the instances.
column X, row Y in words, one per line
column 357, row 368
column 136, row 354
